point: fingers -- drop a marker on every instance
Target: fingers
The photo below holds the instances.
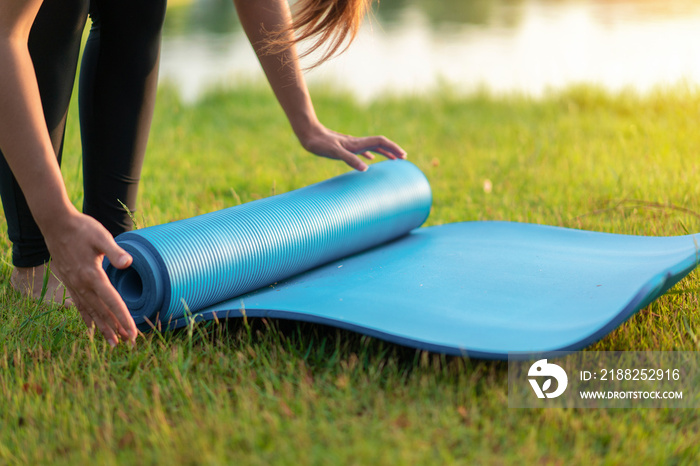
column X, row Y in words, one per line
column 107, row 313
column 351, row 159
column 78, row 246
column 92, row 320
column 116, row 255
column 364, row 147
column 334, row 145
column 378, row 144
column 111, row 312
column 89, row 323
column 98, row 301
column 389, row 155
column 103, row 293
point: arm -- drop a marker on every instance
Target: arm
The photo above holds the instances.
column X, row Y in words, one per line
column 287, row 81
column 77, row 242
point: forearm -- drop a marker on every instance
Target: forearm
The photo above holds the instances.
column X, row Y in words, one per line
column 282, row 68
column 24, row 138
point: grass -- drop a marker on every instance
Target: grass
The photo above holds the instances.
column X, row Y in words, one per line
column 283, row 392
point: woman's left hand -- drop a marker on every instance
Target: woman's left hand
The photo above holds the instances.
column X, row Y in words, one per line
column 333, row 145
column 287, row 81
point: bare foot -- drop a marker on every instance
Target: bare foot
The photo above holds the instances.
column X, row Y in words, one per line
column 30, row 280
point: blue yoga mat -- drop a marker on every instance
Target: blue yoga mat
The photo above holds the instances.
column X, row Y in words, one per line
column 348, row 252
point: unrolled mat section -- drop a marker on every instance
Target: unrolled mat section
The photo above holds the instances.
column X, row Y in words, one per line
column 185, row 266
column 347, row 252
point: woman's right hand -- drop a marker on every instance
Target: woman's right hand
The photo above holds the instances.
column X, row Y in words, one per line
column 78, row 244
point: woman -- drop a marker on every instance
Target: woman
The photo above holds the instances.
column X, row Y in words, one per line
column 39, row 43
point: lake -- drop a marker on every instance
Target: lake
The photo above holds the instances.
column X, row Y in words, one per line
column 412, row 46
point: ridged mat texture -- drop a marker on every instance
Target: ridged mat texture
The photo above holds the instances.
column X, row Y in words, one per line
column 348, row 252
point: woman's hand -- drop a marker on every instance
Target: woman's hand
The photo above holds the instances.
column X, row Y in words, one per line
column 327, row 143
column 287, row 81
column 78, row 243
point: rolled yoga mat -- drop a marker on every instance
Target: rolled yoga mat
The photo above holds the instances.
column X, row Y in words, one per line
column 348, row 252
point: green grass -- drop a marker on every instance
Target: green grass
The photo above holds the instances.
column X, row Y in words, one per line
column 287, row 393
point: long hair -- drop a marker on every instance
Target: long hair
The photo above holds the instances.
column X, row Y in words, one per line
column 329, row 23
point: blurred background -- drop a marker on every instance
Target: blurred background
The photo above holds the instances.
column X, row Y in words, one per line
column 413, row 46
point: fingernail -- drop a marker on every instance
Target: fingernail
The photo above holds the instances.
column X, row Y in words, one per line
column 123, row 260
column 112, row 342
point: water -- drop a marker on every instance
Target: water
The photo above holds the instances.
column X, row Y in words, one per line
column 412, row 46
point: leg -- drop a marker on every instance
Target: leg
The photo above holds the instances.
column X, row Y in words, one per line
column 54, row 44
column 118, row 82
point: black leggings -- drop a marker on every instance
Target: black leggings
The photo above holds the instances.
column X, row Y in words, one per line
column 118, row 80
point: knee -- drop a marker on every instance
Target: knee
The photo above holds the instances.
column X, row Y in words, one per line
column 58, row 19
column 136, row 19
column 149, row 16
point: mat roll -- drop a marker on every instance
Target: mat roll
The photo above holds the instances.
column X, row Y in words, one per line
column 187, row 265
column 347, row 252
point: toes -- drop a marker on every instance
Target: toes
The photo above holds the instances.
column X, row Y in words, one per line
column 29, row 283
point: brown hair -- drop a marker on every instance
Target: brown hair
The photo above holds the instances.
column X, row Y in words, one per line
column 326, row 22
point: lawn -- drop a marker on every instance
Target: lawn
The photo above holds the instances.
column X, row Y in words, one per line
column 275, row 391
